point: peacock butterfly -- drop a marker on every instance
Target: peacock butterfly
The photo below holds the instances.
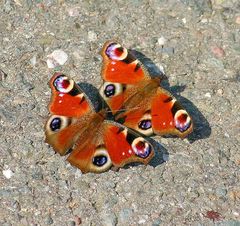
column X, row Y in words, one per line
column 136, row 99
column 92, row 142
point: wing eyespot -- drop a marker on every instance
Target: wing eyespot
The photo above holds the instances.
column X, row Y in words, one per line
column 63, row 84
column 141, row 147
column 145, row 124
column 182, row 120
column 110, row 89
column 101, row 160
column 57, row 122
column 116, row 52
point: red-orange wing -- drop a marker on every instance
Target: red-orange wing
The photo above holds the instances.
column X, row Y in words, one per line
column 117, row 146
column 68, row 104
column 168, row 116
column 121, row 70
column 120, row 65
column 163, row 116
column 67, row 97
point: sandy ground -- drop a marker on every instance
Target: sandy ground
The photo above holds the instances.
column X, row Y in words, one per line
column 190, row 182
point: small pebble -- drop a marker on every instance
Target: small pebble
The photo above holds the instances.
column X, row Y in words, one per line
column 204, row 20
column 157, row 222
column 18, row 2
column 7, row 7
column 184, row 20
column 221, row 192
column 56, row 58
column 235, row 213
column 33, row 60
column 77, row 220
column 167, row 50
column 49, row 220
column 161, row 41
column 143, row 220
column 218, row 51
column 208, row 95
column 226, row 135
column 220, row 92
column 229, row 223
column 7, row 173
column 92, row 36
column 125, row 214
column 237, row 20
column 73, row 12
column 109, row 219
column 3, row 75
column 78, row 174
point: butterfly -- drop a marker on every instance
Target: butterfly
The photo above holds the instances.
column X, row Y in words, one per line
column 136, row 99
column 92, row 142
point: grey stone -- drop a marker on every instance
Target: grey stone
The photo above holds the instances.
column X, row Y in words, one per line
column 108, row 219
column 229, row 223
column 125, row 214
column 157, row 222
column 49, row 220
column 221, row 191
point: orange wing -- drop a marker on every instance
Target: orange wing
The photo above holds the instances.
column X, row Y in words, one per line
column 163, row 116
column 168, row 116
column 68, row 103
column 67, row 97
column 120, row 65
column 136, row 99
column 121, row 70
column 93, row 144
column 115, row 145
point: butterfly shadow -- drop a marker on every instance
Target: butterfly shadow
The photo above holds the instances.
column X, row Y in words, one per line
column 201, row 128
column 93, row 94
column 161, row 153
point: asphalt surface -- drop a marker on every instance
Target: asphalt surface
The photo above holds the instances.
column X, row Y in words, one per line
column 194, row 181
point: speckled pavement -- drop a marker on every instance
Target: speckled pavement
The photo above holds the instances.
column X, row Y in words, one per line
column 194, row 181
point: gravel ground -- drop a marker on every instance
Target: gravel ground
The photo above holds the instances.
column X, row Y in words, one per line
column 197, row 43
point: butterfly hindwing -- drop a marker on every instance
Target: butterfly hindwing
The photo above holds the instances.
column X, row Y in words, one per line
column 112, row 144
column 164, row 116
column 126, row 146
column 168, row 116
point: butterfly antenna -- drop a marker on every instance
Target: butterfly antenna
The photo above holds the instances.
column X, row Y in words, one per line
column 123, row 110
